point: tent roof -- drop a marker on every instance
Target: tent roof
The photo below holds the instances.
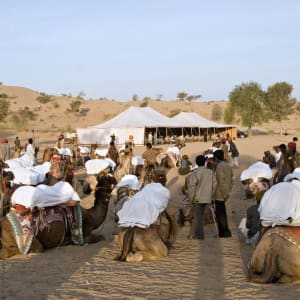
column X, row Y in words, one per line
column 192, row 119
column 137, row 117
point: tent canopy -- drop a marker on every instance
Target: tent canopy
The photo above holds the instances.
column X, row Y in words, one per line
column 135, row 121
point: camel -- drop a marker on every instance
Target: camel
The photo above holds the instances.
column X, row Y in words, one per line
column 48, row 153
column 140, row 244
column 56, row 234
column 276, row 255
column 124, row 168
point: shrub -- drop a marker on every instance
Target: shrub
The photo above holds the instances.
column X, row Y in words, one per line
column 44, row 98
column 174, row 112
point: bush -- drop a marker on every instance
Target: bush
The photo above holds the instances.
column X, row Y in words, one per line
column 44, row 98
column 4, row 107
column 174, row 112
column 74, row 106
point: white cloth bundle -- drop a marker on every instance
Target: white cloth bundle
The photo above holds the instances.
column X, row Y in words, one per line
column 280, row 205
column 174, row 150
column 95, row 166
column 65, row 151
column 101, row 152
column 256, row 171
column 15, row 163
column 295, row 174
column 84, row 150
column 131, row 181
column 144, row 207
column 44, row 195
column 137, row 160
column 30, row 175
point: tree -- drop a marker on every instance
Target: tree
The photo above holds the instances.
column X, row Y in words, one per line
column 81, row 95
column 181, row 96
column 216, row 112
column 191, row 98
column 229, row 114
column 279, row 103
column 135, row 97
column 247, row 102
column 4, row 107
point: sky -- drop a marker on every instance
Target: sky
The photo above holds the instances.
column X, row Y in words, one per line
column 120, row 48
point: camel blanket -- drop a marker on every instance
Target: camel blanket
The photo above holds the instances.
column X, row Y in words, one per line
column 44, row 195
column 280, row 205
column 144, row 207
column 256, row 171
column 95, row 166
column 131, row 181
column 30, row 175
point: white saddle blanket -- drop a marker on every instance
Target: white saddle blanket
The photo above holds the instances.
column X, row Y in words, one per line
column 280, row 205
column 144, row 207
column 137, row 160
column 95, row 166
column 30, row 175
column 44, row 195
column 256, row 171
column 131, row 181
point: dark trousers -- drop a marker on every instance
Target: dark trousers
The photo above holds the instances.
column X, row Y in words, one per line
column 221, row 217
column 198, row 220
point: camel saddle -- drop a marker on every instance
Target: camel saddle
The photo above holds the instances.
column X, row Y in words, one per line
column 26, row 223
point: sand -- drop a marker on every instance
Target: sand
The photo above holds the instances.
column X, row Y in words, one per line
column 210, row 269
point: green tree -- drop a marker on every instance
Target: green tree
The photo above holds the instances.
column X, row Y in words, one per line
column 181, row 96
column 247, row 103
column 4, row 107
column 75, row 106
column 135, row 97
column 279, row 103
column 229, row 115
column 81, row 95
column 216, row 112
column 191, row 98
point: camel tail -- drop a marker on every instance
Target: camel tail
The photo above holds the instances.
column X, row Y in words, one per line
column 127, row 243
column 269, row 272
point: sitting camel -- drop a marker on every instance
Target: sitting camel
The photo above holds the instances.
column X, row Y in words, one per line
column 154, row 241
column 56, row 233
column 276, row 256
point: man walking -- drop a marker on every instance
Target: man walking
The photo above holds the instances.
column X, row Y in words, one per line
column 201, row 187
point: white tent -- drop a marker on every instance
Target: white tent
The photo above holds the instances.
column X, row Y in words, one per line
column 136, row 121
column 132, row 121
column 192, row 119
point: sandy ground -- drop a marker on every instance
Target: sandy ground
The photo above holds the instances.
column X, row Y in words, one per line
column 210, row 269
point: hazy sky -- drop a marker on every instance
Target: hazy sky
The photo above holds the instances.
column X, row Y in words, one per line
column 117, row 48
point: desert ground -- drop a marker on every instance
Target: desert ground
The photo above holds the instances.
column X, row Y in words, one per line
column 210, row 269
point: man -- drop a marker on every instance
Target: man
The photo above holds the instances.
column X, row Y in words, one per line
column 150, row 155
column 200, row 191
column 234, row 153
column 30, row 152
column 224, row 176
column 224, row 147
column 113, row 152
column 4, row 149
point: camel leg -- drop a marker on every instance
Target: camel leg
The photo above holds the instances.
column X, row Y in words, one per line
column 9, row 246
column 152, row 251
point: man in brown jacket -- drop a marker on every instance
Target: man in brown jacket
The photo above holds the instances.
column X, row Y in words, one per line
column 200, row 190
column 224, row 177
